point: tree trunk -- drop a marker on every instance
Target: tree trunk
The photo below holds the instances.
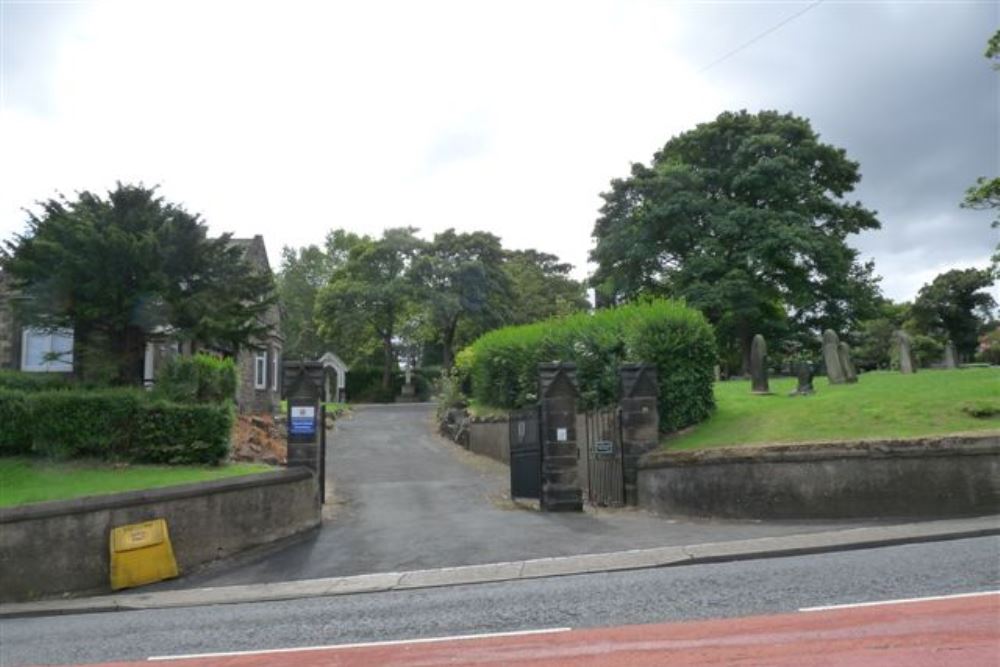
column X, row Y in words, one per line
column 387, row 363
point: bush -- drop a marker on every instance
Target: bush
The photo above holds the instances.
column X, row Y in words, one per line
column 15, row 423
column 502, row 366
column 197, row 379
column 364, row 384
column 76, row 424
column 179, row 434
column 21, row 381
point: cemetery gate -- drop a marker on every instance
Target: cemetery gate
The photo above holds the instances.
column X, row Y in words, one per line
column 525, row 453
column 602, row 447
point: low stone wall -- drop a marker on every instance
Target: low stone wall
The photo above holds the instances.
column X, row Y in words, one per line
column 928, row 477
column 60, row 547
column 490, row 438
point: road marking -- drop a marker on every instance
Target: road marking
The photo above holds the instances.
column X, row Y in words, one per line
column 904, row 601
column 334, row 647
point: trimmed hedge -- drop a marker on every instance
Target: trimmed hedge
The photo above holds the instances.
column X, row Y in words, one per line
column 502, row 365
column 113, row 424
column 197, row 379
column 21, row 381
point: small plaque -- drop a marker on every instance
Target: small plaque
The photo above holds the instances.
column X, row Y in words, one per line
column 303, row 420
column 561, row 435
column 604, row 448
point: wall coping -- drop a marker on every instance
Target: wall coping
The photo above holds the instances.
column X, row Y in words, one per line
column 962, row 444
column 112, row 501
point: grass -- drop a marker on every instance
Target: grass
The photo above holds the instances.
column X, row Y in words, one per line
column 332, row 409
column 24, row 480
column 880, row 405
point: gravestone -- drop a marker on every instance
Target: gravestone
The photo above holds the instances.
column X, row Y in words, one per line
column 846, row 365
column 905, row 348
column 640, row 421
column 804, row 373
column 831, row 358
column 949, row 356
column 758, row 366
column 561, row 490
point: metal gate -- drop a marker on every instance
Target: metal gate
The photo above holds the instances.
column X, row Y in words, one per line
column 605, row 470
column 525, row 453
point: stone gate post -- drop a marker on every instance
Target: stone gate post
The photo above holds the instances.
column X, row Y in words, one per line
column 306, row 427
column 640, row 420
column 560, row 477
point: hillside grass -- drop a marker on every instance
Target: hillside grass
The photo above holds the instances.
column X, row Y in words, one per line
column 881, row 405
column 24, row 480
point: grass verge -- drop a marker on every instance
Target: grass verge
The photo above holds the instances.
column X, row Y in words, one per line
column 880, row 405
column 24, row 480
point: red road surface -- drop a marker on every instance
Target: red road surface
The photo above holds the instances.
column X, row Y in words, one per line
column 958, row 631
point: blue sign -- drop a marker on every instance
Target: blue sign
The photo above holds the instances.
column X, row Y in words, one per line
column 302, row 421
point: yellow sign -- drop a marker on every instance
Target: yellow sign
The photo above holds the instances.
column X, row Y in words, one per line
column 141, row 554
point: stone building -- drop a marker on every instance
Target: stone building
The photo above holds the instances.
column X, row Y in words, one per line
column 259, row 364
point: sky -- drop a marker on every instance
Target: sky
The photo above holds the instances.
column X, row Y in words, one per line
column 288, row 119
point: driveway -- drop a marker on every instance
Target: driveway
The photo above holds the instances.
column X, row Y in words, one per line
column 405, row 498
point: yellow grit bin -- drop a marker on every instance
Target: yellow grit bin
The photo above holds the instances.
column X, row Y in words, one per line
column 141, row 554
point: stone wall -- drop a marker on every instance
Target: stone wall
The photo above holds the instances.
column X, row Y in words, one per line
column 53, row 548
column 929, row 477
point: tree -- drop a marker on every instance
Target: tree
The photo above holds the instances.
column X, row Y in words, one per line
column 745, row 218
column 985, row 194
column 541, row 287
column 461, row 277
column 116, row 270
column 954, row 306
column 371, row 292
column 303, row 273
column 873, row 337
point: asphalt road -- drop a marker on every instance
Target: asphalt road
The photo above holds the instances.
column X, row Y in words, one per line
column 408, row 499
column 724, row 590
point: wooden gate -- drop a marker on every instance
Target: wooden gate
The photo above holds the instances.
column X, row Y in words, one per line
column 605, row 470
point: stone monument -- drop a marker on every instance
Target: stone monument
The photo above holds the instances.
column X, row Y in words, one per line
column 831, row 357
column 758, row 366
column 804, row 373
column 950, row 356
column 905, row 348
column 846, row 365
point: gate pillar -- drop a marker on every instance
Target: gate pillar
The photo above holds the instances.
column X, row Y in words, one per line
column 306, row 420
column 640, row 420
column 560, row 476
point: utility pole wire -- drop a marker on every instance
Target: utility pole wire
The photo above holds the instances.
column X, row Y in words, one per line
column 759, row 37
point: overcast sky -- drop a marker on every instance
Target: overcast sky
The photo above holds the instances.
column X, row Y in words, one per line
column 288, row 119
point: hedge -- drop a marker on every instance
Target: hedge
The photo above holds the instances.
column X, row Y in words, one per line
column 113, row 424
column 21, row 381
column 502, row 366
column 196, row 379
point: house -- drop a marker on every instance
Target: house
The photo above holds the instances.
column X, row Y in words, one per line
column 258, row 391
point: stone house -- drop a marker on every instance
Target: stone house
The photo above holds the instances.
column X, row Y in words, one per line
column 258, row 390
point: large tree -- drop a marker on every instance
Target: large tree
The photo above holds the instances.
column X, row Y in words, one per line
column 956, row 306
column 371, row 292
column 541, row 287
column 303, row 273
column 744, row 217
column 117, row 269
column 461, row 277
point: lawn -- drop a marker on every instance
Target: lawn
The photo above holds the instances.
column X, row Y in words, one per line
column 880, row 405
column 25, row 480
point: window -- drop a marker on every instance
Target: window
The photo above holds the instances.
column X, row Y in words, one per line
column 260, row 370
column 47, row 351
column 274, row 370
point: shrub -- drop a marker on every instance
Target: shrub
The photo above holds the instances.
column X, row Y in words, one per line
column 502, row 366
column 182, row 434
column 21, row 381
column 15, row 423
column 75, row 424
column 197, row 379
column 364, row 384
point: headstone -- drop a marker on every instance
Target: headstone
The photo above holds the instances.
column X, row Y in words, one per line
column 846, row 365
column 831, row 357
column 758, row 366
column 905, row 347
column 950, row 356
column 804, row 373
column 561, row 490
column 640, row 420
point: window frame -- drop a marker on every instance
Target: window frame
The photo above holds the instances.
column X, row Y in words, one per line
column 260, row 370
column 62, row 365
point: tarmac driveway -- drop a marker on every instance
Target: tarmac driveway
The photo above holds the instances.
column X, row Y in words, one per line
column 406, row 499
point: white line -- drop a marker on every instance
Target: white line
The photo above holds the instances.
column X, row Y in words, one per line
column 335, row 647
column 875, row 604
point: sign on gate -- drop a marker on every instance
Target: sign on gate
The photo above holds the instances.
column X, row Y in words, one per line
column 604, row 448
column 302, row 420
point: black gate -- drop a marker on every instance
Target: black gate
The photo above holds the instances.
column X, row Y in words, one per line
column 605, row 472
column 525, row 454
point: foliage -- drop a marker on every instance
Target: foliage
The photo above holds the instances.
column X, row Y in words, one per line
column 116, row 269
column 541, row 287
column 743, row 217
column 989, row 347
column 982, row 409
column 926, row 350
column 22, row 381
column 955, row 306
column 303, row 274
column 985, row 194
column 200, row 378
column 24, row 480
column 114, row 425
column 461, row 278
column 882, row 404
column 370, row 293
column 503, row 364
column 364, row 385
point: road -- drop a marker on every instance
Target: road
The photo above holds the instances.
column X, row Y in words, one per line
column 408, row 499
column 716, row 591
